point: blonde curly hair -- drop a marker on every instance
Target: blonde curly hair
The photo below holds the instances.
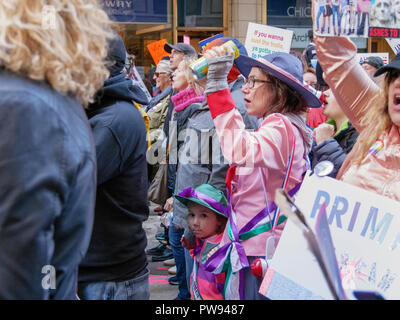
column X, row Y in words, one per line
column 63, row 42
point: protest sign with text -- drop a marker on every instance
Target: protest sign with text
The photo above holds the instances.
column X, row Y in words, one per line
column 365, row 229
column 362, row 18
column 262, row 40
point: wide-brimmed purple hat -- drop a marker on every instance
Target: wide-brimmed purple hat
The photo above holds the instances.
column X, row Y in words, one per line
column 283, row 66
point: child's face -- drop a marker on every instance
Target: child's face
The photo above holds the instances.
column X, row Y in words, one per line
column 203, row 222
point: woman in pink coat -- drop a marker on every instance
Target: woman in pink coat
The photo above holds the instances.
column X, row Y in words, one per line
column 274, row 156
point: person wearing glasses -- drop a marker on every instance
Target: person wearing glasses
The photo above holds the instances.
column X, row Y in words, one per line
column 274, row 156
column 162, row 76
column 177, row 53
column 157, row 111
column 158, row 106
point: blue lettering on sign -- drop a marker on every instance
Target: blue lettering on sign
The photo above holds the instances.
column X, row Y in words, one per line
column 321, row 195
column 339, row 208
column 395, row 242
column 384, row 224
column 354, row 216
column 136, row 11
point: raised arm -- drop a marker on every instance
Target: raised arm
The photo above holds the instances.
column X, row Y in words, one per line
column 270, row 145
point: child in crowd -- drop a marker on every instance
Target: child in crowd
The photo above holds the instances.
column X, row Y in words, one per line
column 207, row 217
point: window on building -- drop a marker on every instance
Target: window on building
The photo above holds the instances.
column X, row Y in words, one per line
column 296, row 15
column 200, row 13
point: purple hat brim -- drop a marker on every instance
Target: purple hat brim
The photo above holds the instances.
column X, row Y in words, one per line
column 244, row 64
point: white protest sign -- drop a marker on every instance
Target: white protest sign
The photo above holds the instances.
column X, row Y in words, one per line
column 383, row 55
column 262, row 40
column 362, row 18
column 365, row 229
column 136, row 79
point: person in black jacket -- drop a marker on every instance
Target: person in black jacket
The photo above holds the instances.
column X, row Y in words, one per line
column 115, row 266
column 47, row 155
column 334, row 139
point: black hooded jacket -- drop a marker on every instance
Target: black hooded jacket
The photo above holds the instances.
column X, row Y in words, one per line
column 117, row 248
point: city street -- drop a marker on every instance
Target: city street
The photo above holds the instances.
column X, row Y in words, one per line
column 160, row 289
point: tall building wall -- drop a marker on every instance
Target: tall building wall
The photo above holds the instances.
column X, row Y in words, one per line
column 243, row 12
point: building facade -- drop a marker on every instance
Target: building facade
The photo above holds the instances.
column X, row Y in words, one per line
column 141, row 22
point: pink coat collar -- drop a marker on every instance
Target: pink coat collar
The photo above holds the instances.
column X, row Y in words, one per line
column 185, row 98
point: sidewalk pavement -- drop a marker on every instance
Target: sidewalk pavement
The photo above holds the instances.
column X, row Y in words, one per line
column 160, row 289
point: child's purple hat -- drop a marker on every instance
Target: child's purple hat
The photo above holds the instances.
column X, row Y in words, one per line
column 207, row 196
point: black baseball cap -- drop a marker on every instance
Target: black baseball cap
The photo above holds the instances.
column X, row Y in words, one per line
column 116, row 54
column 374, row 61
column 187, row 49
column 395, row 64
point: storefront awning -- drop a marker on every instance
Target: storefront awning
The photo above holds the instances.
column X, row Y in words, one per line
column 136, row 11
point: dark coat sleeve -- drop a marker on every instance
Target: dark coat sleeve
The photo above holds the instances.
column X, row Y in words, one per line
column 108, row 152
column 33, row 189
column 328, row 150
column 350, row 139
column 334, row 150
